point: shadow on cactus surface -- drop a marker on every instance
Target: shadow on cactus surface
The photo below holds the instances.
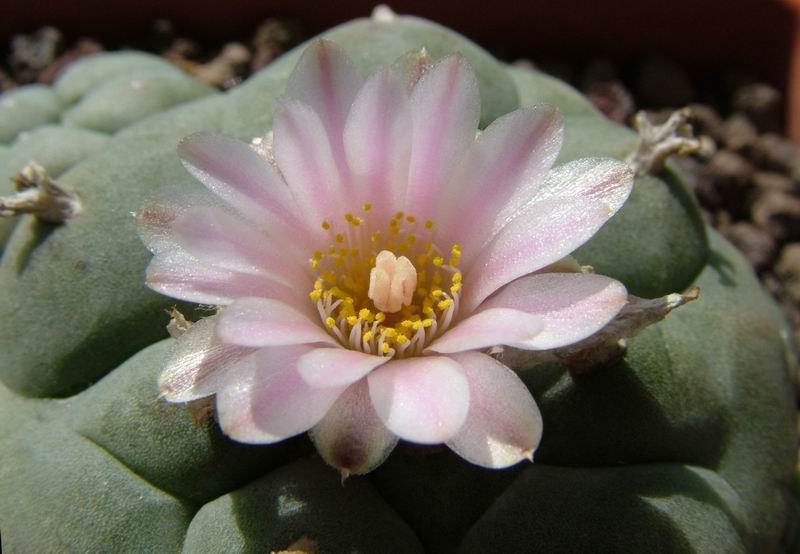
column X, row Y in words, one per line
column 685, row 445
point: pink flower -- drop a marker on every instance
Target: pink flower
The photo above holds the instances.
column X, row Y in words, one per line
column 364, row 268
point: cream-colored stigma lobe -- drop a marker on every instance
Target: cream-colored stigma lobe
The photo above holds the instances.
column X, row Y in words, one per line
column 392, row 282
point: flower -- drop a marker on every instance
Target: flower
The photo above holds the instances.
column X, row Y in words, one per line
column 367, row 260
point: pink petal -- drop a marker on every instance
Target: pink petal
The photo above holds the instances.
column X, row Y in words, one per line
column 516, row 150
column 489, row 328
column 217, row 238
column 333, row 367
column 198, row 363
column 260, row 322
column 327, row 81
column 377, row 140
column 503, row 426
column 549, row 227
column 264, row 399
column 351, row 437
column 234, row 172
column 156, row 218
column 573, row 306
column 445, row 107
column 177, row 274
column 304, row 155
column 423, row 400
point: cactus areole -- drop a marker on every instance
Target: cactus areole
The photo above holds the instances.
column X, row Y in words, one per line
column 418, row 245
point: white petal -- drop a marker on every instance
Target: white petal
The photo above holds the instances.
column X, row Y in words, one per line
column 351, row 437
column 198, row 363
column 514, row 151
column 262, row 322
column 333, row 367
column 233, row 171
column 327, row 81
column 489, row 328
column 423, row 400
column 573, row 306
column 445, row 108
column 550, row 226
column 176, row 273
column 503, row 426
column 217, row 238
column 304, row 155
column 377, row 140
column 264, row 399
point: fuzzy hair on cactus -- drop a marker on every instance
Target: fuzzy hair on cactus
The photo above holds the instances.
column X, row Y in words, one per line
column 684, row 443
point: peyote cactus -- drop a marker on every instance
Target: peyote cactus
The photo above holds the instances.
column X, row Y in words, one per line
column 684, row 444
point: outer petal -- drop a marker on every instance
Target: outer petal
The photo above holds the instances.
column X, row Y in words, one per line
column 305, row 157
column 199, row 363
column 377, row 140
column 177, row 274
column 261, row 322
column 333, row 367
column 503, row 426
column 489, row 328
column 445, row 108
column 219, row 239
column 351, row 437
column 573, row 306
column 264, row 399
column 423, row 400
column 234, row 172
column 513, row 152
column 549, row 227
column 327, row 81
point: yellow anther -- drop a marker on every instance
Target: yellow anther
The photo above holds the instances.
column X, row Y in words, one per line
column 314, row 264
column 437, row 293
column 326, row 225
column 389, row 332
column 427, row 322
column 429, row 224
column 331, row 250
column 367, row 207
column 380, row 317
column 357, row 221
column 455, row 288
column 411, row 219
column 339, row 237
column 352, row 320
column 455, row 250
column 318, row 254
column 366, row 336
column 444, row 304
column 348, row 217
column 453, row 261
column 438, row 261
column 406, row 323
column 456, row 278
column 427, row 311
column 318, row 284
column 417, row 325
column 330, row 322
column 315, row 295
column 401, row 339
column 398, row 215
column 385, row 348
column 365, row 314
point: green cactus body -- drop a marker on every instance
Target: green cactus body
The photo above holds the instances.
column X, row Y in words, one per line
column 685, row 445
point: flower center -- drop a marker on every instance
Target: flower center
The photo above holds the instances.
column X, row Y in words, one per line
column 386, row 291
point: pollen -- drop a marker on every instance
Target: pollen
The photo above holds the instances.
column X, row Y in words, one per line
column 386, row 288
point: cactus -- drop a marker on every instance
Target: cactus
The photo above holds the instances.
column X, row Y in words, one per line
column 685, row 444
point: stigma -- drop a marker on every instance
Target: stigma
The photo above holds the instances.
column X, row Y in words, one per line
column 371, row 297
column 392, row 282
